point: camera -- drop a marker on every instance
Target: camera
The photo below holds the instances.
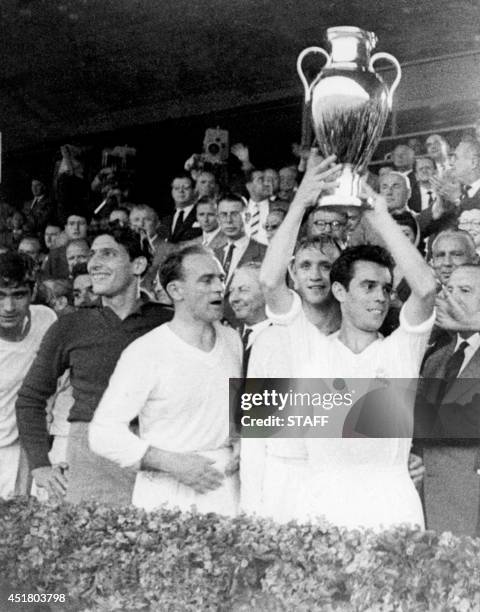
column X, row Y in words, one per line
column 119, row 158
column 215, row 146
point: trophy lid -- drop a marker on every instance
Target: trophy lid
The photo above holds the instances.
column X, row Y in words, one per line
column 350, row 43
column 352, row 31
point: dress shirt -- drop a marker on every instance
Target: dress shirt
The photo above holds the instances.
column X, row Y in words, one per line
column 474, row 187
column 240, row 247
column 473, row 345
column 207, row 237
column 185, row 211
column 257, row 328
column 425, row 196
column 263, row 208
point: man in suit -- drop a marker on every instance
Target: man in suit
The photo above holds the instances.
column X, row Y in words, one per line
column 448, row 418
column 39, row 210
column 258, row 206
column 240, row 249
column 56, row 264
column 423, row 194
column 403, row 158
column 144, row 220
column 248, row 304
column 183, row 224
column 212, row 236
column 437, row 148
column 462, row 189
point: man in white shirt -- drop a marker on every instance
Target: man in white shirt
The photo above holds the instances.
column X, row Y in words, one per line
column 183, row 452
column 361, row 283
column 21, row 330
column 258, row 206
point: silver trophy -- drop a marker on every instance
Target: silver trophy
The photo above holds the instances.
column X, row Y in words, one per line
column 349, row 105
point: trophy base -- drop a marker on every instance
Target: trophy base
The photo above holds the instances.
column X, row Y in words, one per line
column 348, row 191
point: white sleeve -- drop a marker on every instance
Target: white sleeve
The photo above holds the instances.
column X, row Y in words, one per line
column 270, row 356
column 253, row 452
column 286, row 318
column 409, row 343
column 127, row 393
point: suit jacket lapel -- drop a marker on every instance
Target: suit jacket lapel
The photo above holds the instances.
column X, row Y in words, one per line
column 468, row 378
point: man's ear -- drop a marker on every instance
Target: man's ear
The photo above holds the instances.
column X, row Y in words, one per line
column 61, row 302
column 174, row 290
column 140, row 264
column 339, row 292
column 291, row 273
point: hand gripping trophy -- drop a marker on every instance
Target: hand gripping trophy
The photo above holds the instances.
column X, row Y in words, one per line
column 349, row 105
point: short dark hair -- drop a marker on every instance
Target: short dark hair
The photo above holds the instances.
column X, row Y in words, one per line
column 407, row 219
column 423, row 157
column 172, row 268
column 79, row 269
column 206, row 200
column 128, row 238
column 249, row 174
column 232, row 197
column 182, row 175
column 16, row 269
column 343, row 268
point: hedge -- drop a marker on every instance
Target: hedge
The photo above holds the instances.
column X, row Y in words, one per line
column 107, row 559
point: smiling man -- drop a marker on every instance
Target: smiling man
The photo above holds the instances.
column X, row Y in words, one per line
column 21, row 330
column 355, row 482
column 183, row 452
column 450, row 249
column 89, row 342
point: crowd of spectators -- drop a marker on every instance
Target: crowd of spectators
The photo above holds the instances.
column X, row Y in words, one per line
column 60, row 252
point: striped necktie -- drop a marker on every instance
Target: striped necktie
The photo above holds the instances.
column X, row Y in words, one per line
column 254, row 219
column 227, row 262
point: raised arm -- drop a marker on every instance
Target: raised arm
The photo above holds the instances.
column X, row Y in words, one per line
column 319, row 177
column 420, row 304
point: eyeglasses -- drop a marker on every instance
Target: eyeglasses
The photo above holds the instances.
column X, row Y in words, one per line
column 270, row 228
column 332, row 224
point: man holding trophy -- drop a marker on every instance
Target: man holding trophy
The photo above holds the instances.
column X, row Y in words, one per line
column 361, row 482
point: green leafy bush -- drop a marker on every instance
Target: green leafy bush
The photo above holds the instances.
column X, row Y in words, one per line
column 107, row 559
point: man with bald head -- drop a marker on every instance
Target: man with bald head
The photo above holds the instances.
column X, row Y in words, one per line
column 450, row 249
column 403, row 158
column 395, row 188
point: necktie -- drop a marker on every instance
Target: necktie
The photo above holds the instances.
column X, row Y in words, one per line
column 179, row 222
column 254, row 220
column 452, row 370
column 246, row 335
column 431, row 199
column 246, row 350
column 228, row 258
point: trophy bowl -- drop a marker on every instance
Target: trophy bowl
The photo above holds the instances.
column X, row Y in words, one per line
column 349, row 105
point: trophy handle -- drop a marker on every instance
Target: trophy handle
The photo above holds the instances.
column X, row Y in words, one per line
column 301, row 74
column 396, row 63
